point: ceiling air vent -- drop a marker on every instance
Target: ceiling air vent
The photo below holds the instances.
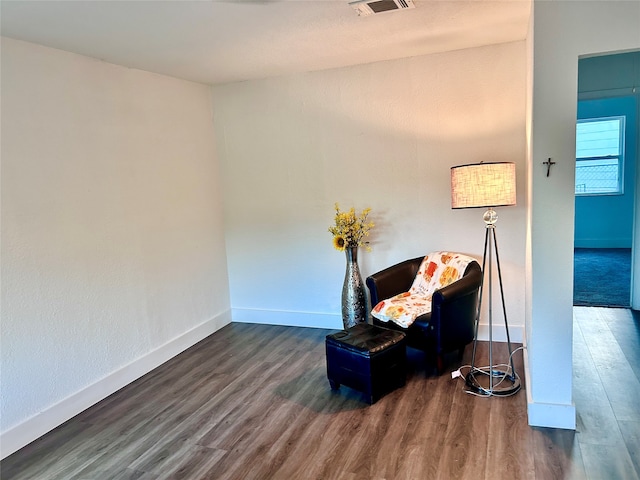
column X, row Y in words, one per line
column 372, row 7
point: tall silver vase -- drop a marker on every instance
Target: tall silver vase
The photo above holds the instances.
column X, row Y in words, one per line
column 354, row 299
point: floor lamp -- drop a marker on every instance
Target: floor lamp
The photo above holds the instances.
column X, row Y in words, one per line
column 488, row 185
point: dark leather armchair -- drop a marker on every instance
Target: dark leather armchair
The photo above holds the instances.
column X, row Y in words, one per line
column 451, row 324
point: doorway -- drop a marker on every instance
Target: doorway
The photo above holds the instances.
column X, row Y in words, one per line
column 605, row 203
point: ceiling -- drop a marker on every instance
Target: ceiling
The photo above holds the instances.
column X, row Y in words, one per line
column 223, row 41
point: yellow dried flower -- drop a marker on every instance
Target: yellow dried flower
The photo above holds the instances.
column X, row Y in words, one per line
column 350, row 228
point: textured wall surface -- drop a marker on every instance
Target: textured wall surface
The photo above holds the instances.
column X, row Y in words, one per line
column 562, row 32
column 112, row 242
column 382, row 135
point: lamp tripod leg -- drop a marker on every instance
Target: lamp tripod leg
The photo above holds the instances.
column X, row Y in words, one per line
column 504, row 309
column 477, row 325
column 508, row 382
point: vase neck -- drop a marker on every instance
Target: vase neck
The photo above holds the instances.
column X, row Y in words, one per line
column 352, row 254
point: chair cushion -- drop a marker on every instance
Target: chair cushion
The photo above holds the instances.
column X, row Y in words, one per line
column 437, row 270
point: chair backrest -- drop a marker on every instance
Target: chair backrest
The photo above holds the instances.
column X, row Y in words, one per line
column 437, row 270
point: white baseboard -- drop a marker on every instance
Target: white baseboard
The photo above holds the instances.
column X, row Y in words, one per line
column 287, row 318
column 26, row 432
column 552, row 415
column 499, row 333
column 334, row 322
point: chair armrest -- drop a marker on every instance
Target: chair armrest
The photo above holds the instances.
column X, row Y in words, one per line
column 392, row 280
column 454, row 310
column 470, row 282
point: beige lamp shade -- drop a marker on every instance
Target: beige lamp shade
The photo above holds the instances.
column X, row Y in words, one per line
column 483, row 185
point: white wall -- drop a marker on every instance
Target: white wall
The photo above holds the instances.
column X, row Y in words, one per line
column 562, row 31
column 113, row 254
column 384, row 136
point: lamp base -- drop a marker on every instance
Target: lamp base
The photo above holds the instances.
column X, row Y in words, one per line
column 492, row 382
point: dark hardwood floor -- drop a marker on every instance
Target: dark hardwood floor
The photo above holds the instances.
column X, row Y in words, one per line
column 253, row 402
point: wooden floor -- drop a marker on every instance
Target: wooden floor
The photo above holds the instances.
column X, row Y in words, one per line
column 253, row 402
column 606, row 391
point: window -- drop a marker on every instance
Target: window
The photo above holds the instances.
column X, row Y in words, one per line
column 599, row 156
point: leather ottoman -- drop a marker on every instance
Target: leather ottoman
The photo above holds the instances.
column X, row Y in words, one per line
column 367, row 358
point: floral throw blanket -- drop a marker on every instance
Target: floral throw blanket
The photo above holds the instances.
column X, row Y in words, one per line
column 437, row 270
